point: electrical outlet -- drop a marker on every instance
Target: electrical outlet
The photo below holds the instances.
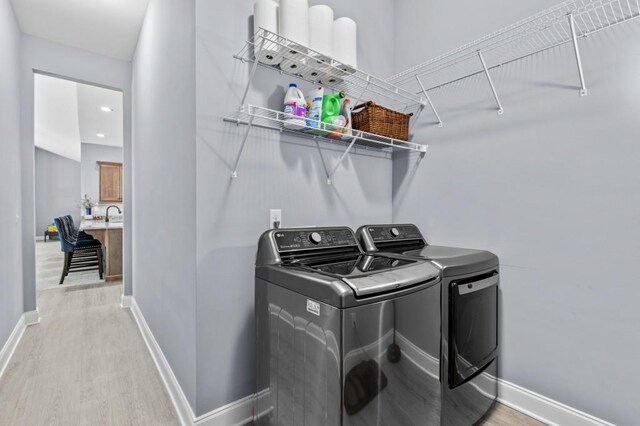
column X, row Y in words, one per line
column 275, row 218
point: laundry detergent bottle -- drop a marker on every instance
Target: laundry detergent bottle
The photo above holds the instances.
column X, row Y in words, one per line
column 332, row 106
column 332, row 120
column 295, row 106
column 314, row 107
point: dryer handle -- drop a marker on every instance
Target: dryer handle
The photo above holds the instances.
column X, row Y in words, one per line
column 474, row 286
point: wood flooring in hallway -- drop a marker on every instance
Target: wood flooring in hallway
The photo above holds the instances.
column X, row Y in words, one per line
column 84, row 364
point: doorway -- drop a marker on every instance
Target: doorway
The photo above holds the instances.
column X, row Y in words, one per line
column 78, row 175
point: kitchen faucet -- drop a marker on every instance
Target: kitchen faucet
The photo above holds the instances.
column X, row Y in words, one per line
column 106, row 215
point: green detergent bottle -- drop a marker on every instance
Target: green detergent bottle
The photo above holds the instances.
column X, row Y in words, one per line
column 332, row 106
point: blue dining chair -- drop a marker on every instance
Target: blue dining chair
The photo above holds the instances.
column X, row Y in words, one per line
column 82, row 252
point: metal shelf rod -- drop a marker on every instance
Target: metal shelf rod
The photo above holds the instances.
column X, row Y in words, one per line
column 424, row 91
column 234, row 173
column 493, row 89
column 583, row 87
column 251, row 75
column 344, row 154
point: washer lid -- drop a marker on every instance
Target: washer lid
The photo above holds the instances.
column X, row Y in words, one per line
column 370, row 274
column 390, row 280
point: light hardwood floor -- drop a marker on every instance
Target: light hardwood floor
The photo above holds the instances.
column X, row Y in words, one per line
column 49, row 262
column 84, row 364
column 501, row 415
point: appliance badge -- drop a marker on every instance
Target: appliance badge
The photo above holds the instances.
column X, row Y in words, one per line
column 313, row 307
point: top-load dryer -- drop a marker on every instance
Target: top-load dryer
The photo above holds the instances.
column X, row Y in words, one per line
column 469, row 346
column 344, row 337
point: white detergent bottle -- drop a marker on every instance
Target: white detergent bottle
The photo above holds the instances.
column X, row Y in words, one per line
column 295, row 105
column 314, row 104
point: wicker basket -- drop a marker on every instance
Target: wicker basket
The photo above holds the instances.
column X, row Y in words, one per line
column 373, row 118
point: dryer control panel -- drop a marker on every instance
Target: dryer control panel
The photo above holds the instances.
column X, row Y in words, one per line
column 381, row 233
column 313, row 238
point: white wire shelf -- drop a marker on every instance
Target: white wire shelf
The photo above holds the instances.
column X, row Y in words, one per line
column 282, row 55
column 255, row 116
column 278, row 120
column 563, row 23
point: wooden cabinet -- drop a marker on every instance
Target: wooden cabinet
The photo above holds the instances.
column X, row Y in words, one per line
column 110, row 182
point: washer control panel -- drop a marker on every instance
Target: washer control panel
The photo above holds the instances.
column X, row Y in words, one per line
column 303, row 239
column 381, row 233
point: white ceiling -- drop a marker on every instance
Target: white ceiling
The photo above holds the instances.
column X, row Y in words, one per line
column 106, row 27
column 68, row 114
column 92, row 120
column 56, row 126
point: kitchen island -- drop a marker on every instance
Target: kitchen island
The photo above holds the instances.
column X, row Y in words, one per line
column 110, row 234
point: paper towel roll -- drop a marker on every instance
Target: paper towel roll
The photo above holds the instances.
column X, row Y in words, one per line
column 293, row 66
column 316, row 67
column 313, row 73
column 294, row 21
column 330, row 80
column 345, row 46
column 269, row 54
column 321, row 29
column 265, row 15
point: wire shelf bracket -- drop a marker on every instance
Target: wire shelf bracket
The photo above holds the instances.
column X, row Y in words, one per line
column 344, row 154
column 234, row 172
column 433, row 108
column 493, row 88
column 576, row 49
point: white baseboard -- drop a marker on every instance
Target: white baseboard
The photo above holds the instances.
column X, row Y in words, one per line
column 125, row 302
column 12, row 343
column 241, row 411
column 234, row 414
column 178, row 398
column 32, row 317
column 237, row 413
column 545, row 409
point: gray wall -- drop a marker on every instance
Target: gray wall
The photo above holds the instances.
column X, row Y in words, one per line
column 10, row 206
column 90, row 172
column 276, row 171
column 552, row 187
column 165, row 183
column 57, row 183
column 78, row 65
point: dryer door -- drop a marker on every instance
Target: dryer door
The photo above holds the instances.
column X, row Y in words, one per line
column 473, row 331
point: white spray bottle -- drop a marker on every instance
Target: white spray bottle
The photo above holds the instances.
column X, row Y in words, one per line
column 346, row 112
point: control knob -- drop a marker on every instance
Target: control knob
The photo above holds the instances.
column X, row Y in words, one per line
column 315, row 238
column 394, row 232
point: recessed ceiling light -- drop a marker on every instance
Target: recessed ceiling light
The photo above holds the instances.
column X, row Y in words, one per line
column 100, row 135
column 106, row 109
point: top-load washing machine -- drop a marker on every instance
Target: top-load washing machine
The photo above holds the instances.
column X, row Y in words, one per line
column 343, row 337
column 469, row 349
